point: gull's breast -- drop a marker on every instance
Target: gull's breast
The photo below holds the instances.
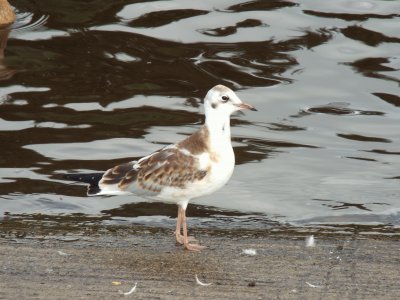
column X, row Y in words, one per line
column 220, row 169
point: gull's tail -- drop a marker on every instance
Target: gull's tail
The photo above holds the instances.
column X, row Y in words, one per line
column 90, row 178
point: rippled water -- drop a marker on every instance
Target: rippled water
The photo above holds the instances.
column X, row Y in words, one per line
column 87, row 85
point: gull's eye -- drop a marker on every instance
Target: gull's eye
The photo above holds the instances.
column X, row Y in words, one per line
column 225, row 99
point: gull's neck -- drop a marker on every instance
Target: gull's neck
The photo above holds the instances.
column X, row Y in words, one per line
column 219, row 128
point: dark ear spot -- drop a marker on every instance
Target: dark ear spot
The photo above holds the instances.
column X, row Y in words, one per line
column 214, row 105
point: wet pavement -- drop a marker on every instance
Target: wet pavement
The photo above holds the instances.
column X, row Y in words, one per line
column 104, row 262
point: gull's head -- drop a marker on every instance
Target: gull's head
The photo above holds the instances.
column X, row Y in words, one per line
column 221, row 100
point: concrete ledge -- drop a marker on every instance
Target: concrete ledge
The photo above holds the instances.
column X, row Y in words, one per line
column 90, row 263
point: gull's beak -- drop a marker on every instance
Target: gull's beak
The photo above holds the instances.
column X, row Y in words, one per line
column 247, row 106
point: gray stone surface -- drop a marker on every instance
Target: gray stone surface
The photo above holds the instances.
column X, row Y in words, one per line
column 77, row 266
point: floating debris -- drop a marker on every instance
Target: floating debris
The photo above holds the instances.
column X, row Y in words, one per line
column 62, row 253
column 116, row 283
column 130, row 292
column 310, row 241
column 201, row 283
column 250, row 252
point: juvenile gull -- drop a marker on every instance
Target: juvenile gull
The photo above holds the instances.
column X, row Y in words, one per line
column 197, row 166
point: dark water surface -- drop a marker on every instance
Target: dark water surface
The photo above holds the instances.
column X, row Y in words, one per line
column 85, row 85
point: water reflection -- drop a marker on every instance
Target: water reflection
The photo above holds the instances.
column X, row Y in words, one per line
column 88, row 85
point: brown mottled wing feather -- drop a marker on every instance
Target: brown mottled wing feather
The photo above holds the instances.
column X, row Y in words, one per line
column 119, row 173
column 170, row 168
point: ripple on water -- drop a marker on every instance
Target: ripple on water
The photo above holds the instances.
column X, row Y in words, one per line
column 31, row 27
column 29, row 21
column 338, row 108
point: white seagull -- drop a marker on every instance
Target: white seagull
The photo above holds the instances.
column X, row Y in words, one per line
column 197, row 166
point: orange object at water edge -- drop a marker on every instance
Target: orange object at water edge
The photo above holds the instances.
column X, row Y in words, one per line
column 7, row 15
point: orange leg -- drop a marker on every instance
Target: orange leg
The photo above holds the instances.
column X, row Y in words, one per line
column 186, row 244
column 178, row 235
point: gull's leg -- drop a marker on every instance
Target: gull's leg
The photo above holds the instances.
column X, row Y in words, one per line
column 191, row 247
column 178, row 235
